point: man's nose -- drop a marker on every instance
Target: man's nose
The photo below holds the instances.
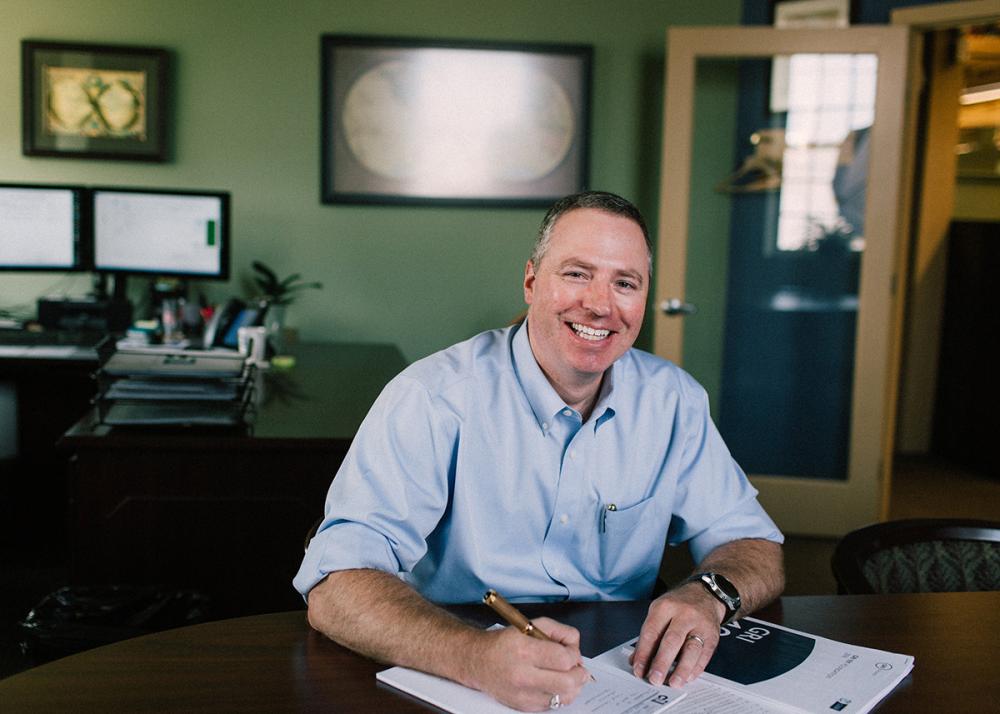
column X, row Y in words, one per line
column 597, row 298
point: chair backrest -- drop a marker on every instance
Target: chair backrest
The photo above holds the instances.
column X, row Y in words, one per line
column 311, row 533
column 919, row 555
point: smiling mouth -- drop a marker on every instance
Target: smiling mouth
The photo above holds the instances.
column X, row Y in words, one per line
column 591, row 334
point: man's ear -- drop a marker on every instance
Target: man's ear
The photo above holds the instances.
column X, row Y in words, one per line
column 529, row 282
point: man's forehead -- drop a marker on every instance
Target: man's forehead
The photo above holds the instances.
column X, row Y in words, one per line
column 590, row 232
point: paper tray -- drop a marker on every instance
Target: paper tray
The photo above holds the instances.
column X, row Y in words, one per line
column 168, row 365
column 128, row 412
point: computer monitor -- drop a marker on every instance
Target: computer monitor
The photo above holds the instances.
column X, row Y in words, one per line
column 41, row 227
column 161, row 233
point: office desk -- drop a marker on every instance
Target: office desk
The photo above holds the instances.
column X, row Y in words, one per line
column 275, row 663
column 222, row 511
column 52, row 388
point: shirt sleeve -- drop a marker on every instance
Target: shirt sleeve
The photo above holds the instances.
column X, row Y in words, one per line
column 390, row 491
column 715, row 502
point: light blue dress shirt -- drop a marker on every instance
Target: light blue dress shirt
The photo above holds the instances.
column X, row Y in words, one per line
column 470, row 473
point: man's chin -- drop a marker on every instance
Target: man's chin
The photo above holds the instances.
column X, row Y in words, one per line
column 595, row 365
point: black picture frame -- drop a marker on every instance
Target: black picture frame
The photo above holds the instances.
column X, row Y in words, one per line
column 452, row 122
column 94, row 101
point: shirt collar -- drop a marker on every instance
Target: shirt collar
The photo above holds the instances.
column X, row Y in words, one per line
column 543, row 399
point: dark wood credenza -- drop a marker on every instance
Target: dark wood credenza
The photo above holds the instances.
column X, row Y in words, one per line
column 226, row 511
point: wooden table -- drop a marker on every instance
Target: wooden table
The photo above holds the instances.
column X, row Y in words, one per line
column 276, row 663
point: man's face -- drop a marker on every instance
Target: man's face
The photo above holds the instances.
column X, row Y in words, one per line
column 587, row 296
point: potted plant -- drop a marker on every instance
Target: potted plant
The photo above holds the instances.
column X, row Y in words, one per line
column 278, row 293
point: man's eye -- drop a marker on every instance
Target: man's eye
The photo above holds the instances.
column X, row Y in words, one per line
column 574, row 274
column 626, row 285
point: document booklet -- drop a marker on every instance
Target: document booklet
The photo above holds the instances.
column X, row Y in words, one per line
column 760, row 668
column 611, row 692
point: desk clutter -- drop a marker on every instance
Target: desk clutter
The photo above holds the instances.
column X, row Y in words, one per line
column 157, row 387
column 80, row 617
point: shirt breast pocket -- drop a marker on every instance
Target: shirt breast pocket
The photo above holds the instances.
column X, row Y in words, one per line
column 629, row 541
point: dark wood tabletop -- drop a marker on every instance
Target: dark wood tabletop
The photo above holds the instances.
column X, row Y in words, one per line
column 276, row 663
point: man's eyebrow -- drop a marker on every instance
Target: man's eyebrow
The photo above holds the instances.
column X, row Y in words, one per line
column 632, row 274
column 576, row 263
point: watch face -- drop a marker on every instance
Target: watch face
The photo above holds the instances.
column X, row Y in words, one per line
column 727, row 587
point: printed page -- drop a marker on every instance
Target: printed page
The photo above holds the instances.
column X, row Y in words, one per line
column 611, row 693
column 795, row 670
column 703, row 697
column 809, row 672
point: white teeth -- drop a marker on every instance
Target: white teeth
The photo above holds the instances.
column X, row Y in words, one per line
column 589, row 333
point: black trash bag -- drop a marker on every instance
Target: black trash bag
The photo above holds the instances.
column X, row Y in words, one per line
column 77, row 618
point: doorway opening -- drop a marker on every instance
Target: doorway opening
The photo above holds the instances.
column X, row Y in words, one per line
column 941, row 465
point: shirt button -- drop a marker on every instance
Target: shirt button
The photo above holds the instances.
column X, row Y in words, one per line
column 564, row 519
column 572, row 454
column 545, row 426
column 567, row 412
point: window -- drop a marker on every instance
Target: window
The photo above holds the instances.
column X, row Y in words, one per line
column 831, row 104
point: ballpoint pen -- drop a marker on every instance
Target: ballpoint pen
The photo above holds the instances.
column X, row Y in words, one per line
column 513, row 616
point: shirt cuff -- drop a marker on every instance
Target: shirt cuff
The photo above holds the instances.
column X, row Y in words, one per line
column 343, row 546
column 748, row 521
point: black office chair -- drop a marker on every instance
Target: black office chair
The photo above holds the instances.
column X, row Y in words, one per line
column 919, row 555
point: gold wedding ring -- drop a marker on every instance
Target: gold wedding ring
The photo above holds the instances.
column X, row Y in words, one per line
column 697, row 639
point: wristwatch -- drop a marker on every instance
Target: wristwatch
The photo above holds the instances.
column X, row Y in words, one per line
column 722, row 590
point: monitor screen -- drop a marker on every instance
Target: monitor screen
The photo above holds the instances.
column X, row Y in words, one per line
column 40, row 227
column 152, row 232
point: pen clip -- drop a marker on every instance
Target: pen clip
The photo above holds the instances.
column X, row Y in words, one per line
column 604, row 516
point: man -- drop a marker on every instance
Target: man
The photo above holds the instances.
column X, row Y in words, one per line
column 550, row 461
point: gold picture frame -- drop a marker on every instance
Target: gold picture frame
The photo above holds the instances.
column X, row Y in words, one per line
column 94, row 101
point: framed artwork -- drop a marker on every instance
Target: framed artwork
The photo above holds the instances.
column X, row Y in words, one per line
column 94, row 101
column 409, row 121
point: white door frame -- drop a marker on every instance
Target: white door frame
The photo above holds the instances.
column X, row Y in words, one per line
column 799, row 504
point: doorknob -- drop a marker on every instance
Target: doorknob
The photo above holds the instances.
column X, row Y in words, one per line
column 676, row 306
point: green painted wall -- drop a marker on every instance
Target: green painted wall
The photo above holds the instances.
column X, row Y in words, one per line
column 710, row 214
column 246, row 119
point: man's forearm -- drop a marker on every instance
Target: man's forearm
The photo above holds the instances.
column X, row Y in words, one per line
column 380, row 616
column 754, row 566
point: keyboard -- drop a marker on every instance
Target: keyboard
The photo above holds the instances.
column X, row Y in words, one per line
column 86, row 339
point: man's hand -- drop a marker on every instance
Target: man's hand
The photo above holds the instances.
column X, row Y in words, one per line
column 378, row 615
column 682, row 625
column 524, row 672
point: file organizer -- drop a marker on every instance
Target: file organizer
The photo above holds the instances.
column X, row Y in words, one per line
column 146, row 387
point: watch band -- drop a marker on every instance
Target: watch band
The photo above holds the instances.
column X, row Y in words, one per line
column 722, row 590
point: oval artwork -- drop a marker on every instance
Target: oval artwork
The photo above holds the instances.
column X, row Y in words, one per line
column 450, row 128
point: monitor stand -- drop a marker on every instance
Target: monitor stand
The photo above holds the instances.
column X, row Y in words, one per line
column 99, row 287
